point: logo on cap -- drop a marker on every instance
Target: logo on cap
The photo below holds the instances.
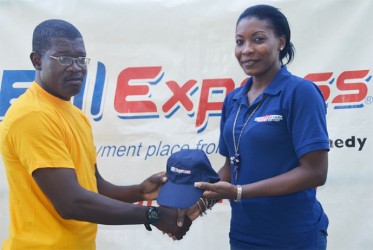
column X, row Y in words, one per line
column 180, row 171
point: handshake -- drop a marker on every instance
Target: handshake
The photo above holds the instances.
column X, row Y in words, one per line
column 180, row 201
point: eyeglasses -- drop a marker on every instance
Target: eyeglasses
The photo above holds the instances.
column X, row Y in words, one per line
column 68, row 60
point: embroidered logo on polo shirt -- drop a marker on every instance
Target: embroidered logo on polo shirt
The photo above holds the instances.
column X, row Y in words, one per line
column 269, row 118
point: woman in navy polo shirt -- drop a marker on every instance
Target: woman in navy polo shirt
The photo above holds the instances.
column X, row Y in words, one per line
column 275, row 140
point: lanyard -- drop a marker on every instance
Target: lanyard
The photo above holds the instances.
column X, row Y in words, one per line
column 235, row 159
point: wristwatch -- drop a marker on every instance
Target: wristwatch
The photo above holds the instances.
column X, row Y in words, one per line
column 152, row 217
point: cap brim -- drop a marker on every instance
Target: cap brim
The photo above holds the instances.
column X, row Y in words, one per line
column 178, row 196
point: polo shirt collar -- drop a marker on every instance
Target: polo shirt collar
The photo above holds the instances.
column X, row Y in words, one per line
column 275, row 87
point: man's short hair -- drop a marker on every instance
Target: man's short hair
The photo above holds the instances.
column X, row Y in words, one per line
column 49, row 29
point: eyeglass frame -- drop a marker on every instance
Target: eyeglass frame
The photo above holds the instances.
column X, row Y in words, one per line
column 86, row 59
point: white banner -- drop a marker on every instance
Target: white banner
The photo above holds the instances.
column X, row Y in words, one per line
column 181, row 54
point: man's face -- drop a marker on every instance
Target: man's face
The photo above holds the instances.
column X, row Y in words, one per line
column 62, row 81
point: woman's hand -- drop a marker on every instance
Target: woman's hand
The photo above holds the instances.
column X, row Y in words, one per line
column 218, row 190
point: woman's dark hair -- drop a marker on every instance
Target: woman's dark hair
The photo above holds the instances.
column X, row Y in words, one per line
column 278, row 22
column 49, row 29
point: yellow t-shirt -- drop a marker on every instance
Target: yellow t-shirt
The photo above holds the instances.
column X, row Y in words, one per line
column 39, row 131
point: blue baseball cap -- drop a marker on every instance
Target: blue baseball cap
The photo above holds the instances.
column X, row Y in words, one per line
column 184, row 168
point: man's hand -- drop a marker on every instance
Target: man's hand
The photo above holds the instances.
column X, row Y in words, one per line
column 168, row 223
column 192, row 213
column 150, row 187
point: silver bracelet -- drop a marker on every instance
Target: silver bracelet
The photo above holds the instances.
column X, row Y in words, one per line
column 201, row 212
column 204, row 204
column 239, row 193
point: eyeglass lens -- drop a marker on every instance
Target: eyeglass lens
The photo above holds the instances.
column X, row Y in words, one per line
column 67, row 60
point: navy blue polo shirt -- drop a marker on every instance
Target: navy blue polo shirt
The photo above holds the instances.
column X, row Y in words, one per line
column 289, row 123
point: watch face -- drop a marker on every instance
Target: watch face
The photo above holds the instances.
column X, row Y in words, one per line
column 153, row 215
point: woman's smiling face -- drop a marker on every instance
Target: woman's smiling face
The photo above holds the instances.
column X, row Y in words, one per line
column 257, row 47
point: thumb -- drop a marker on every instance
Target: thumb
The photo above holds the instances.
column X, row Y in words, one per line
column 197, row 184
column 163, row 177
column 180, row 217
column 202, row 185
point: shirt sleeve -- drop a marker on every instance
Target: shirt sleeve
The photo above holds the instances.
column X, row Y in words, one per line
column 39, row 142
column 307, row 119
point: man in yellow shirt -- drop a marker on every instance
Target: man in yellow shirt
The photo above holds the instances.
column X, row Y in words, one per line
column 57, row 195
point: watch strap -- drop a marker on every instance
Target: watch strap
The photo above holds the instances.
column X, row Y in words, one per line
column 148, row 227
column 152, row 217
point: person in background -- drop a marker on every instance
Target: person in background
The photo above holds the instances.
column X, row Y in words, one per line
column 274, row 136
column 56, row 193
